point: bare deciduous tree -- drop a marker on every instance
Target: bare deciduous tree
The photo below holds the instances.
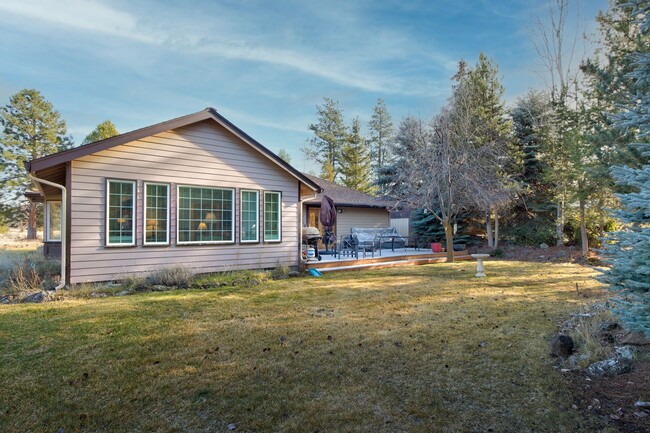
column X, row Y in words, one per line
column 447, row 170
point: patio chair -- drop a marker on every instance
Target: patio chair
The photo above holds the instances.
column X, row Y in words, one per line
column 349, row 246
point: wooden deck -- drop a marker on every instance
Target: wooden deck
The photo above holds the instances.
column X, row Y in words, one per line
column 398, row 258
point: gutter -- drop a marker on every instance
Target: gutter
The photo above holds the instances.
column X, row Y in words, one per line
column 64, row 218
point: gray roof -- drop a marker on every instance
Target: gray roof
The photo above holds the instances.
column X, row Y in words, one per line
column 344, row 196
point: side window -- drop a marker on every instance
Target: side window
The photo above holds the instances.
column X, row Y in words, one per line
column 156, row 214
column 53, row 221
column 120, row 209
column 249, row 203
column 272, row 216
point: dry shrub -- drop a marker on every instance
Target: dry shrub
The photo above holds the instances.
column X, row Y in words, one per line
column 587, row 335
column 27, row 272
column 177, row 275
column 280, row 272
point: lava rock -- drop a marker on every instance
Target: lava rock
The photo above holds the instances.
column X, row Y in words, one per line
column 37, row 297
column 610, row 367
column 636, row 338
column 624, row 352
column 562, row 346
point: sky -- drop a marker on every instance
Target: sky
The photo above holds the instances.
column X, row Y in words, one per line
column 263, row 65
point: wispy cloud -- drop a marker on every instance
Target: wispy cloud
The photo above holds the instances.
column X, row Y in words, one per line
column 97, row 17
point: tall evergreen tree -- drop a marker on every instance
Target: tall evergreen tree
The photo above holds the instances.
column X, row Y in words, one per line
column 356, row 163
column 31, row 128
column 104, row 130
column 329, row 136
column 491, row 126
column 382, row 134
column 534, row 212
column 629, row 252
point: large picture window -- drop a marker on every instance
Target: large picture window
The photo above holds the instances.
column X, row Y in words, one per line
column 249, row 215
column 120, row 225
column 53, row 221
column 272, row 216
column 205, row 215
column 156, row 214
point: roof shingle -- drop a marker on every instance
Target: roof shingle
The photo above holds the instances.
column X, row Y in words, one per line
column 344, row 196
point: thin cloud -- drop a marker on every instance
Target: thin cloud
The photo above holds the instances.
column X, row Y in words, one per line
column 97, row 17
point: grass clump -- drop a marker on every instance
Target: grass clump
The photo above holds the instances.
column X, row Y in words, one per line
column 171, row 276
column 280, row 272
column 24, row 272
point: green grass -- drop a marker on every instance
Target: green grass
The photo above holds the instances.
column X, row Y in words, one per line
column 416, row 349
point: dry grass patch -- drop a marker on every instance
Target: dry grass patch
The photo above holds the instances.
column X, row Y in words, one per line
column 402, row 349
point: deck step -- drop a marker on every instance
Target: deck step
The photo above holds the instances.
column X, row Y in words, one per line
column 379, row 259
column 361, row 265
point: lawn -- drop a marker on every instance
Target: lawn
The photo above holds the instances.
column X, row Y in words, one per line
column 413, row 349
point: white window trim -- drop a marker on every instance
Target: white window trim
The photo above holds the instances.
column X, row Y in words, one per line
column 279, row 194
column 133, row 217
column 241, row 216
column 144, row 214
column 178, row 213
column 47, row 221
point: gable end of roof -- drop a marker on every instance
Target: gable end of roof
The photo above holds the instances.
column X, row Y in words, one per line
column 208, row 113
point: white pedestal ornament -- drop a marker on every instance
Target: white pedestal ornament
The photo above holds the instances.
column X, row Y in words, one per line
column 480, row 271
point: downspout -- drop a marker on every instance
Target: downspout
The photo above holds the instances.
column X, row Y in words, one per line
column 64, row 218
column 300, row 226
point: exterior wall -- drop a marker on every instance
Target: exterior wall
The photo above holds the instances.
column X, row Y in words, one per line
column 402, row 225
column 202, row 154
column 360, row 217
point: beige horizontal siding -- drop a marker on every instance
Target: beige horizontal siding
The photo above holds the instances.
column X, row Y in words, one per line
column 202, row 154
column 361, row 217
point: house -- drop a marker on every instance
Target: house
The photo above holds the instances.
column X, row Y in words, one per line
column 355, row 208
column 195, row 190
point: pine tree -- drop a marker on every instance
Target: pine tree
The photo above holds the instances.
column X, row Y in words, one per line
column 330, row 132
column 356, row 168
column 284, row 155
column 104, row 130
column 31, row 128
column 491, row 126
column 534, row 213
column 629, row 250
column 382, row 135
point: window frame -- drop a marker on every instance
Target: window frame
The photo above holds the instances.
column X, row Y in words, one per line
column 134, row 209
column 241, row 216
column 48, row 212
column 144, row 214
column 279, row 195
column 178, row 213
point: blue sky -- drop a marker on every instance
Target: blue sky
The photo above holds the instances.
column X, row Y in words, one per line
column 263, row 65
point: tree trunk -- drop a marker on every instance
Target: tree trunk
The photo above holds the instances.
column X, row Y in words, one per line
column 488, row 227
column 449, row 240
column 31, row 221
column 584, row 240
column 559, row 224
column 496, row 228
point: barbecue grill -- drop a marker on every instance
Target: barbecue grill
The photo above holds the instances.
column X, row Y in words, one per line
column 310, row 238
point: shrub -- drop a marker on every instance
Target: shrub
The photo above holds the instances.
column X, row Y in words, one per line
column 497, row 252
column 23, row 272
column 280, row 272
column 177, row 275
